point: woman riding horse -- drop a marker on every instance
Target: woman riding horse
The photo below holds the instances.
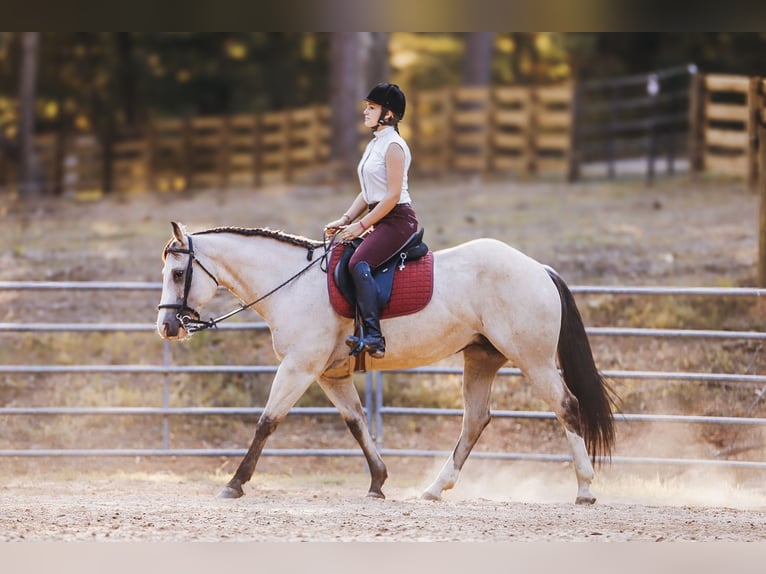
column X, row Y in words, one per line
column 387, row 219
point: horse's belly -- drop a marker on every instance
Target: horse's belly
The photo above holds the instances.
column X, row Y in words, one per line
column 423, row 338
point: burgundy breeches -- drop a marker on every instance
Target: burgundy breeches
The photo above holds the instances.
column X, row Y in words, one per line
column 389, row 235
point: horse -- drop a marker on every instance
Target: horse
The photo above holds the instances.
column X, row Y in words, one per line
column 490, row 302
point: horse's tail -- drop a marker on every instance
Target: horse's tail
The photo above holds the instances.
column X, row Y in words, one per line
column 582, row 377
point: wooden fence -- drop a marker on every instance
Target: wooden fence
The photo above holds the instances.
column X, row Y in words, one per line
column 726, row 108
column 640, row 117
column 500, row 130
column 507, row 130
column 470, row 130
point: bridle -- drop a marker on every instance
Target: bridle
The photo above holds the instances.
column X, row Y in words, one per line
column 190, row 317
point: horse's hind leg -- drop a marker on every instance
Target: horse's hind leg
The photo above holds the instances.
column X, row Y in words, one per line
column 566, row 408
column 481, row 363
column 344, row 396
column 288, row 386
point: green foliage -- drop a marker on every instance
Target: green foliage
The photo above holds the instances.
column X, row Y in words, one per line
column 88, row 80
column 94, row 79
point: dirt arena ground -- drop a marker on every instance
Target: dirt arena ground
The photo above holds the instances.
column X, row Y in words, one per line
column 493, row 502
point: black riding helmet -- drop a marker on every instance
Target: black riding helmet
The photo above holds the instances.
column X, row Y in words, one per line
column 390, row 97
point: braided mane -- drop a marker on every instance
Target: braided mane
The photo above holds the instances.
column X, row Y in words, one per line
column 297, row 240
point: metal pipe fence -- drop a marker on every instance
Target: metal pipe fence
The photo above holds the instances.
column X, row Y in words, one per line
column 373, row 399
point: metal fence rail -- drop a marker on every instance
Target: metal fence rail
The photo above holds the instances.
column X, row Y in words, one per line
column 374, row 402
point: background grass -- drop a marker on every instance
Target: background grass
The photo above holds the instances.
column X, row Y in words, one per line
column 675, row 233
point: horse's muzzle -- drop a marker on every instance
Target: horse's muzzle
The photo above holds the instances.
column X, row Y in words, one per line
column 170, row 327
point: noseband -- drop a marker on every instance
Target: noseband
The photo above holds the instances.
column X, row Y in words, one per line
column 188, row 316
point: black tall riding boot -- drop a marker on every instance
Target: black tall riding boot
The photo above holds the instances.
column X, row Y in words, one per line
column 367, row 299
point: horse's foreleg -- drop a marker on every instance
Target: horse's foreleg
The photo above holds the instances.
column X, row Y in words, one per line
column 288, row 386
column 481, row 363
column 344, row 396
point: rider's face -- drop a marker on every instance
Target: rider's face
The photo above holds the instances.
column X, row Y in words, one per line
column 372, row 114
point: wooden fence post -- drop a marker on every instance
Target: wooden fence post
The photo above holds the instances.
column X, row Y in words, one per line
column 188, row 168
column 224, row 157
column 653, row 91
column 755, row 104
column 760, row 120
column 151, row 155
column 575, row 155
column 696, row 87
column 258, row 150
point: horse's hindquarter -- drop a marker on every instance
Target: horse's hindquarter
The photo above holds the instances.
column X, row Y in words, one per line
column 481, row 287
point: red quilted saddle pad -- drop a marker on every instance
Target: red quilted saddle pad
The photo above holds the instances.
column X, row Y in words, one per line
column 412, row 289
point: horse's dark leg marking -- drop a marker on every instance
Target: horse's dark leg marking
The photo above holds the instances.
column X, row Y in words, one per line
column 345, row 397
column 378, row 472
column 244, row 473
column 570, row 415
column 289, row 384
column 481, row 363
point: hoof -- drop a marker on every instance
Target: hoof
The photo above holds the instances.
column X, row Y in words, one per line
column 585, row 500
column 429, row 496
column 231, row 492
column 379, row 495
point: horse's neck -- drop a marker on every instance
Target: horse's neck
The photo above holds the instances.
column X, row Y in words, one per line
column 250, row 266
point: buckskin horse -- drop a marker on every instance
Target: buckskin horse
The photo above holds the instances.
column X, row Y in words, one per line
column 489, row 302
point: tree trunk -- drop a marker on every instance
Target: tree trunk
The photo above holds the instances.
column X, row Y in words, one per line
column 30, row 174
column 351, row 66
column 127, row 77
column 377, row 66
column 477, row 62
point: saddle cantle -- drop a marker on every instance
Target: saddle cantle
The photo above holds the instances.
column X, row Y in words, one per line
column 405, row 282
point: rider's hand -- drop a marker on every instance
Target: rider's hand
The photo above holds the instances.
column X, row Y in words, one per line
column 331, row 229
column 349, row 232
column 334, row 226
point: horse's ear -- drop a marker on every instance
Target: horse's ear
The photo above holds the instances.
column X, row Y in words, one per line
column 178, row 231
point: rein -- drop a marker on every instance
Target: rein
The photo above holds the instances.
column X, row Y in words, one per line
column 192, row 324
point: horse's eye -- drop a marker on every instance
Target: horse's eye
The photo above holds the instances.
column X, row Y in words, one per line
column 178, row 274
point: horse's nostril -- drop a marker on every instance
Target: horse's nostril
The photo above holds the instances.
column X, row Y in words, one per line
column 165, row 329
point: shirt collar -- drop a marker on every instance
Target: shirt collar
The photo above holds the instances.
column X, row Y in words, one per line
column 382, row 131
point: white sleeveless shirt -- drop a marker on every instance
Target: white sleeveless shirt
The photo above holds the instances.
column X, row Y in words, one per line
column 372, row 166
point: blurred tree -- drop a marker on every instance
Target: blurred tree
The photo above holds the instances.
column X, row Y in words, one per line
column 359, row 61
column 31, row 180
column 378, row 59
column 478, row 58
column 128, row 77
column 223, row 73
column 593, row 55
column 101, row 82
column 426, row 61
column 525, row 57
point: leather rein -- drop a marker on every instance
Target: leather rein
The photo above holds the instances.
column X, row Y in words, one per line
column 190, row 317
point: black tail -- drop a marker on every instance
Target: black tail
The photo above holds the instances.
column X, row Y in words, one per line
column 582, row 376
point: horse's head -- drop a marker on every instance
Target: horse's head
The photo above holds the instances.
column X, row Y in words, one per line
column 183, row 291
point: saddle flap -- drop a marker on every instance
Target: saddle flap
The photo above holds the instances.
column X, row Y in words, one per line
column 403, row 291
column 412, row 250
column 340, row 271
